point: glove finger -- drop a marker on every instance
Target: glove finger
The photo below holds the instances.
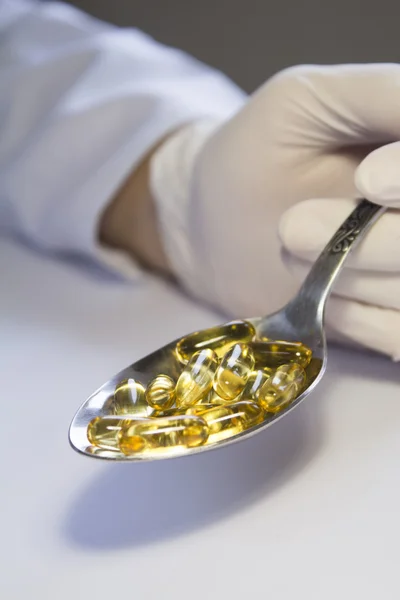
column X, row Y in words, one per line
column 378, row 176
column 306, row 228
column 370, row 326
column 327, row 104
column 370, row 287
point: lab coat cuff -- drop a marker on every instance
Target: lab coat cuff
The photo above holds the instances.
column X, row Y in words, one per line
column 77, row 229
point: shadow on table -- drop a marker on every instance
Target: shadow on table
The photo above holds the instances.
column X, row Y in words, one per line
column 131, row 505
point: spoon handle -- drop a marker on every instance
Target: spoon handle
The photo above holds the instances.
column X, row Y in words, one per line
column 307, row 308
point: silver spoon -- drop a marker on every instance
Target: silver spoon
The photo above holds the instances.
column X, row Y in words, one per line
column 302, row 319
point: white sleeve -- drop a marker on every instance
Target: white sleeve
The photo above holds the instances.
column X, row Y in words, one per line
column 81, row 103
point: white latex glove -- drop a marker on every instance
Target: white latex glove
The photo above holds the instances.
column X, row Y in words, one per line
column 222, row 191
column 365, row 307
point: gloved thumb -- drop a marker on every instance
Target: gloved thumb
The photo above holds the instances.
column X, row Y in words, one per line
column 378, row 176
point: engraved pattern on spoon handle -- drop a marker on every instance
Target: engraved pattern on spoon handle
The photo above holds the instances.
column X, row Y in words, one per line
column 306, row 310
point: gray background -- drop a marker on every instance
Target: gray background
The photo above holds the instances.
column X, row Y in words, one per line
column 252, row 39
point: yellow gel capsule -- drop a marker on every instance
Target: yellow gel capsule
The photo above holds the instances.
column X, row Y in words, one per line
column 170, row 412
column 229, row 420
column 162, row 436
column 196, row 379
column 219, row 339
column 198, row 409
column 212, row 398
column 233, row 372
column 128, row 398
column 281, row 388
column 103, row 431
column 276, row 353
column 160, row 393
column 255, row 381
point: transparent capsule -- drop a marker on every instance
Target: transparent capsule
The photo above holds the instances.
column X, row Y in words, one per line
column 276, row 353
column 162, row 436
column 219, row 339
column 169, row 412
column 198, row 409
column 230, row 419
column 196, row 379
column 212, row 398
column 160, row 393
column 233, row 372
column 256, row 379
column 103, row 431
column 281, row 388
column 129, row 398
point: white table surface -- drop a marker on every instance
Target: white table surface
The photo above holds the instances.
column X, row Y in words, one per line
column 308, row 509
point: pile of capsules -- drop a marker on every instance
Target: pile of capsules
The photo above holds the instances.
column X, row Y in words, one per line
column 230, row 381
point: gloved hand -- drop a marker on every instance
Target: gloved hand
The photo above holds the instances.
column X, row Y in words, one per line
column 365, row 307
column 289, row 161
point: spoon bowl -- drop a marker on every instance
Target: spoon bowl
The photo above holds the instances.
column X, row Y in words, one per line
column 302, row 319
